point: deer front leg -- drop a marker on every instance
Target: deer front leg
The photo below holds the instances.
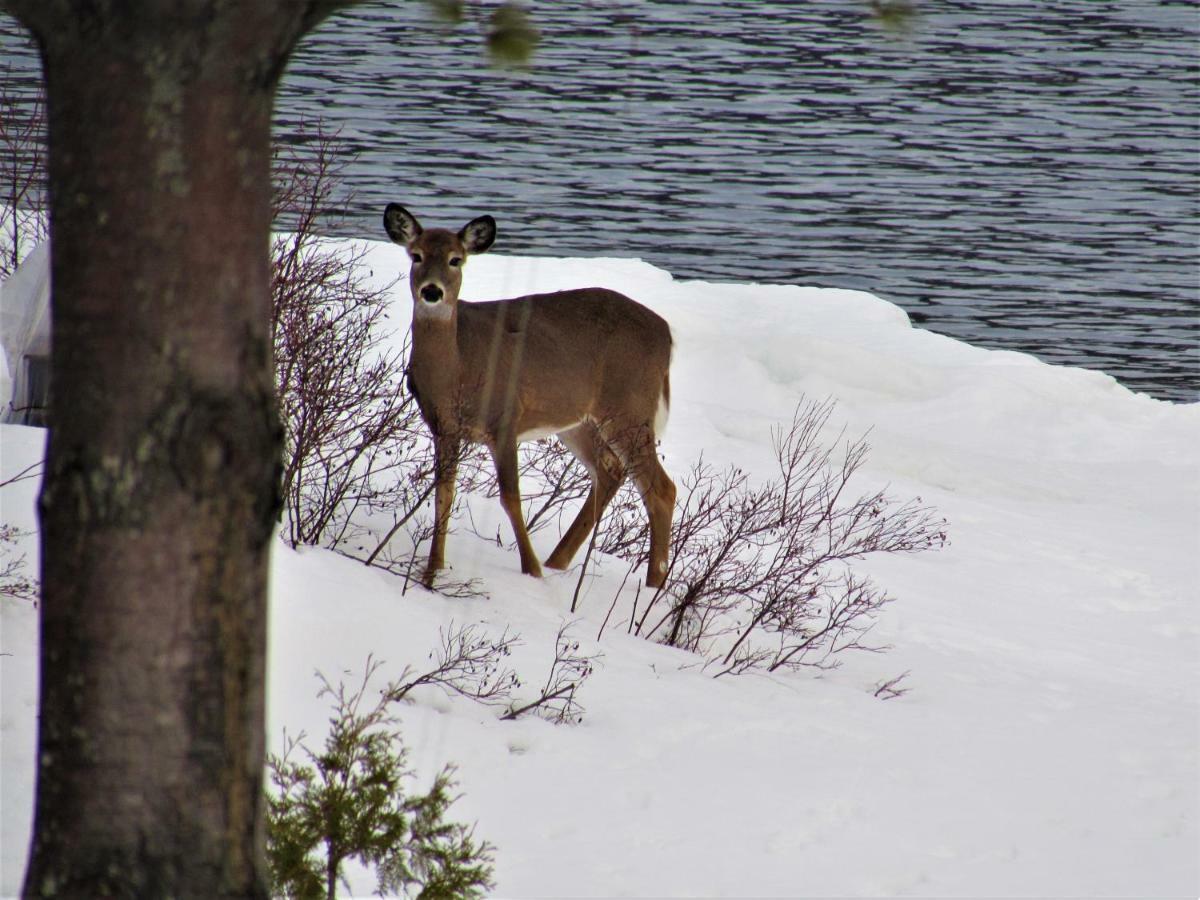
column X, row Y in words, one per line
column 504, row 455
column 445, row 468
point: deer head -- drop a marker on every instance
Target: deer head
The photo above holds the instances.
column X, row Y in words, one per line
column 437, row 256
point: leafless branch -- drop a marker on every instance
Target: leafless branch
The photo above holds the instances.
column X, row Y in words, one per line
column 33, row 470
column 468, row 663
column 890, row 689
column 14, row 582
column 558, row 700
column 353, row 437
column 23, row 219
column 760, row 574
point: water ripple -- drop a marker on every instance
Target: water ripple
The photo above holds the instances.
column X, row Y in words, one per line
column 1021, row 175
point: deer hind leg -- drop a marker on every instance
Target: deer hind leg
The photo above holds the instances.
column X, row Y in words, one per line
column 504, row 455
column 607, row 474
column 446, row 453
column 658, row 495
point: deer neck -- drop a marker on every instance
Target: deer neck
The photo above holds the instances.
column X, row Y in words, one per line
column 435, row 369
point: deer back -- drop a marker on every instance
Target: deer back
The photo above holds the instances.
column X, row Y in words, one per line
column 543, row 363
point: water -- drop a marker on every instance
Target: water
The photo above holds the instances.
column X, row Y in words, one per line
column 1018, row 174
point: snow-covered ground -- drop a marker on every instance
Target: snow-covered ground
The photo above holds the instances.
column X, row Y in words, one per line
column 1048, row 745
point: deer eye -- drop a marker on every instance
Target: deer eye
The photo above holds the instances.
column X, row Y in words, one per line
column 415, row 257
column 456, row 260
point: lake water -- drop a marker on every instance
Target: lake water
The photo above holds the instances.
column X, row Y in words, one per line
column 1019, row 174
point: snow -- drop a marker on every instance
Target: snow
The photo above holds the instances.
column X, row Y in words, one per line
column 1048, row 745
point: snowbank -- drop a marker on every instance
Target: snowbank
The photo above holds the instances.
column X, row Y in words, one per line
column 1048, row 744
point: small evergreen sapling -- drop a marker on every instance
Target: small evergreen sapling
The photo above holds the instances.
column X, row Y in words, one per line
column 348, row 802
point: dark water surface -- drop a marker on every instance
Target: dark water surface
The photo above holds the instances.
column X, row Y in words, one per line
column 1017, row 173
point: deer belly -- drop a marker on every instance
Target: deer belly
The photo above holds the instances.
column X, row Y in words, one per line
column 543, row 431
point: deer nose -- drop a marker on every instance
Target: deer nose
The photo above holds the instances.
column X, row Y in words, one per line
column 431, row 293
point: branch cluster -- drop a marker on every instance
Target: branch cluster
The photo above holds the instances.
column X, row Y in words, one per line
column 554, row 480
column 551, row 481
column 558, row 700
column 23, row 219
column 760, row 575
column 471, row 664
column 15, row 582
column 354, row 440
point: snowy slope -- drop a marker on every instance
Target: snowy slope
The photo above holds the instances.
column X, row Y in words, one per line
column 1048, row 745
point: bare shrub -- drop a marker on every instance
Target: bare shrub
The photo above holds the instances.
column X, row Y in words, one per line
column 626, row 532
column 354, row 441
column 760, row 575
column 468, row 663
column 554, row 483
column 558, row 700
column 23, row 220
column 472, row 664
column 398, row 551
column 550, row 479
column 15, row 582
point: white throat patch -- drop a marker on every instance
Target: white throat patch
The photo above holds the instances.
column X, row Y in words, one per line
column 437, row 312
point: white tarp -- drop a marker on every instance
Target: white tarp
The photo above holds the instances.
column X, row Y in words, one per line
column 24, row 329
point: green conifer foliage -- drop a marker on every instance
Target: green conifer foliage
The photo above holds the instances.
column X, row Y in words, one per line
column 348, row 802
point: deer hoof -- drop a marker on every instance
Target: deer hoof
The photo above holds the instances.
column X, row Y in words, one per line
column 656, row 577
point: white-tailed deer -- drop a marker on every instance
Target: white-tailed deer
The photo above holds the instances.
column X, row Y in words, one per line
column 590, row 366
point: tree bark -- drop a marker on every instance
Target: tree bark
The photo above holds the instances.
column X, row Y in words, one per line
column 161, row 487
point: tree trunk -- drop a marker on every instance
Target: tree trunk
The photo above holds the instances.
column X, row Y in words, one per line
column 161, row 487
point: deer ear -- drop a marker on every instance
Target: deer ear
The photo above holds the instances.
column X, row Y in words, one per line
column 478, row 234
column 401, row 225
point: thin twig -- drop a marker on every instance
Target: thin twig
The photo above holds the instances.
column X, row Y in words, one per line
column 399, row 524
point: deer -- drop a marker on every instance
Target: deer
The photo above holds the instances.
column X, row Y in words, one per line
column 590, row 366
